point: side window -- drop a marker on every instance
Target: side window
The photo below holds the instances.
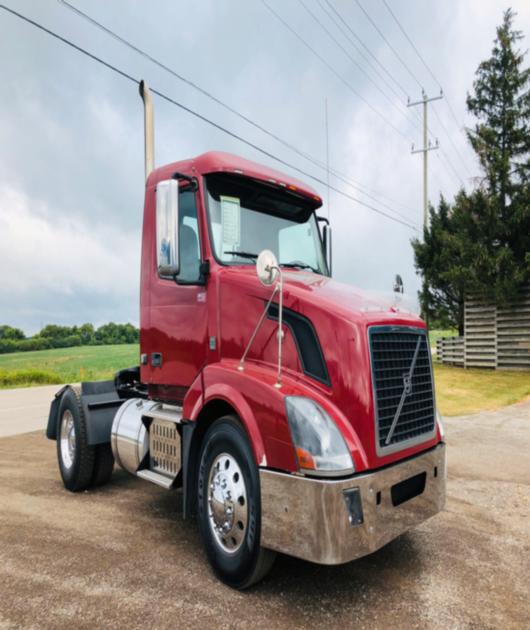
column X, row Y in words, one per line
column 177, row 226
column 190, row 254
column 298, row 243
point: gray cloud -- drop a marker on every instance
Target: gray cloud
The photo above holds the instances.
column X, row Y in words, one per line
column 71, row 151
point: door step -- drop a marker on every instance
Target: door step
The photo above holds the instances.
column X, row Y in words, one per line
column 160, row 480
column 173, row 414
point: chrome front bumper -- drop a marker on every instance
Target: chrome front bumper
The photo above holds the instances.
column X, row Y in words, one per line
column 310, row 519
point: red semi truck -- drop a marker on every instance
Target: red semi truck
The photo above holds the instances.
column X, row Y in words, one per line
column 294, row 414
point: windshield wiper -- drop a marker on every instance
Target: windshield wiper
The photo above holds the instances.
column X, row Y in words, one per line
column 298, row 264
column 248, row 255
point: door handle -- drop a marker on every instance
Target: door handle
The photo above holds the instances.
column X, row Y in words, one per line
column 156, row 359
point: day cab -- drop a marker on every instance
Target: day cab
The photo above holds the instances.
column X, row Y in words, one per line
column 292, row 413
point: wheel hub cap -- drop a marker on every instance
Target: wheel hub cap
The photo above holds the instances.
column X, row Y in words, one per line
column 227, row 503
column 67, row 439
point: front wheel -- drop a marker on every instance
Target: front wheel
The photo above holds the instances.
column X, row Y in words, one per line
column 229, row 506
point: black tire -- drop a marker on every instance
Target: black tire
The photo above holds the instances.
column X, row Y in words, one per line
column 250, row 562
column 77, row 474
column 103, row 464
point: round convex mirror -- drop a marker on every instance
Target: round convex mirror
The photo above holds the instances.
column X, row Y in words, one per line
column 267, row 267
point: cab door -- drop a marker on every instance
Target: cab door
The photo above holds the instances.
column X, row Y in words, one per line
column 174, row 347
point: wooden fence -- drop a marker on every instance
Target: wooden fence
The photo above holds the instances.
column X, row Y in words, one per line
column 450, row 350
column 494, row 337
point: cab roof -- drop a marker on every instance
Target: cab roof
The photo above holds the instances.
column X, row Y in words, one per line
column 221, row 162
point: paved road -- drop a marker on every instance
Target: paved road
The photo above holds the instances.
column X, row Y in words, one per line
column 25, row 409
column 121, row 556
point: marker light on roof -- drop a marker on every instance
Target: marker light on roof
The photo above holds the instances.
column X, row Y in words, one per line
column 236, row 170
column 282, row 184
column 291, row 187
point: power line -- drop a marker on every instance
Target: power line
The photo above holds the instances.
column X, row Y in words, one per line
column 177, row 75
column 332, row 69
column 359, row 51
column 451, row 170
column 354, row 34
column 167, row 98
column 464, row 163
column 412, row 44
column 402, row 29
column 398, row 56
column 372, row 22
column 334, row 39
column 339, row 16
column 354, row 61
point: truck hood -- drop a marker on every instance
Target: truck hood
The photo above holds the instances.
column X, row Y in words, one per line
column 340, row 316
column 346, row 300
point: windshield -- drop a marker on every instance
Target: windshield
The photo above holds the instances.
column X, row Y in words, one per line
column 247, row 216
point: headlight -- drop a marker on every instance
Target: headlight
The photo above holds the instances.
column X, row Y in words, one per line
column 440, row 425
column 319, row 445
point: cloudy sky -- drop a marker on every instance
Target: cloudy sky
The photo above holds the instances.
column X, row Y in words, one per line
column 71, row 134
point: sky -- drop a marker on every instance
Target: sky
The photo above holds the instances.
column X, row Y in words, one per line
column 71, row 130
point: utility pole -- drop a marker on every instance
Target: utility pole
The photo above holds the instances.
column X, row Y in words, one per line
column 427, row 146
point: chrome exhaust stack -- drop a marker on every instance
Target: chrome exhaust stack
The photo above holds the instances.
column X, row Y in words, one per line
column 149, row 130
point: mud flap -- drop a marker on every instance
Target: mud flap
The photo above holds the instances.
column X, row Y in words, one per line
column 100, row 401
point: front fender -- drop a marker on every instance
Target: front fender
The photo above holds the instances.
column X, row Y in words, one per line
column 260, row 406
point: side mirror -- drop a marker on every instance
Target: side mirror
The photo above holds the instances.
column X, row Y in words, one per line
column 267, row 267
column 328, row 251
column 326, row 241
column 167, row 222
column 398, row 284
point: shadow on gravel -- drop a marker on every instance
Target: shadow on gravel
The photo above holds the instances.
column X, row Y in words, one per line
column 401, row 561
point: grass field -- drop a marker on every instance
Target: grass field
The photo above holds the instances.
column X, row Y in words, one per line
column 65, row 365
column 458, row 391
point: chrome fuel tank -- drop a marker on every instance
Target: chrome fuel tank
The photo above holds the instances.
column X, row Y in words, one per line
column 129, row 438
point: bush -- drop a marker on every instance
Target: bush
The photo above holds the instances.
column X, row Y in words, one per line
column 8, row 332
column 24, row 345
column 53, row 336
column 10, row 378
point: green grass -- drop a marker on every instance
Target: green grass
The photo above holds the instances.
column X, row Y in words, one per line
column 460, row 392
column 65, row 365
column 434, row 335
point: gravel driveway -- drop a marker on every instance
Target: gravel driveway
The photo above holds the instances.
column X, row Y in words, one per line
column 121, row 556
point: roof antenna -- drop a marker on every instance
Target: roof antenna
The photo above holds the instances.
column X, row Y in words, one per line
column 327, row 153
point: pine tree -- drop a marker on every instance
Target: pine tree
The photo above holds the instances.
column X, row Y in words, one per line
column 481, row 241
column 501, row 140
column 439, row 256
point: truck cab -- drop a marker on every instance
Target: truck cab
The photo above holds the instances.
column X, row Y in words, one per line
column 294, row 413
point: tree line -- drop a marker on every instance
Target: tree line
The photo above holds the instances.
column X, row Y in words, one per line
column 54, row 336
column 480, row 241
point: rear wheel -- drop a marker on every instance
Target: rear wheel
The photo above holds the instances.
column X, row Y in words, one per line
column 75, row 456
column 229, row 506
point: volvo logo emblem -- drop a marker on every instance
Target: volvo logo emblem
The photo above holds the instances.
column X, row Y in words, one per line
column 407, row 390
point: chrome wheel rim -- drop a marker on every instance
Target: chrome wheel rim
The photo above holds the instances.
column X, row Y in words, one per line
column 227, row 503
column 67, row 439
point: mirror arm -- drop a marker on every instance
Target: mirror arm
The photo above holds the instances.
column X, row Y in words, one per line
column 280, row 329
column 258, row 326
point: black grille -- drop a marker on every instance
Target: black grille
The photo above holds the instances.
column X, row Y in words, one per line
column 393, row 351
